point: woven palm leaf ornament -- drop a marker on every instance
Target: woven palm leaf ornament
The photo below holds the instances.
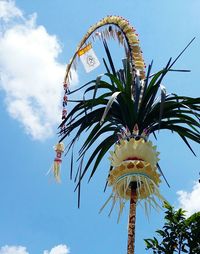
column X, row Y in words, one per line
column 120, row 110
column 134, row 160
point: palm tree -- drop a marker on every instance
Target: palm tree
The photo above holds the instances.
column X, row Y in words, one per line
column 126, row 107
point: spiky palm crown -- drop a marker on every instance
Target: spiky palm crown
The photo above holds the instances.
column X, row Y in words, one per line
column 117, row 102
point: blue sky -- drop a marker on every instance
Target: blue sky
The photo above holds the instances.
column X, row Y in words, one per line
column 37, row 39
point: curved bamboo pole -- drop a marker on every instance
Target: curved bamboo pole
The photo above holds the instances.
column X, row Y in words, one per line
column 126, row 30
column 132, row 219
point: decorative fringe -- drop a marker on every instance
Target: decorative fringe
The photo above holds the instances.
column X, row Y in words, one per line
column 56, row 170
column 147, row 191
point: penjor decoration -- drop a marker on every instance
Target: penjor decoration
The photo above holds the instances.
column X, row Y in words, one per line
column 119, row 111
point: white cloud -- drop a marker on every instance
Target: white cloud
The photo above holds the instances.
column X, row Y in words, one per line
column 8, row 10
column 31, row 75
column 59, row 249
column 13, row 250
column 190, row 201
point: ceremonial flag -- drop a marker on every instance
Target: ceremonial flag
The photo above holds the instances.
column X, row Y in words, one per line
column 88, row 58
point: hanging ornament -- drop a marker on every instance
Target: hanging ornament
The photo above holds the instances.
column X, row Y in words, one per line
column 66, row 87
column 135, row 130
column 65, row 99
column 145, row 133
column 64, row 113
column 128, row 133
column 59, row 149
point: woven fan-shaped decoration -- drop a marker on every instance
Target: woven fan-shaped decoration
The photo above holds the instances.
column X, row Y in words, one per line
column 134, row 161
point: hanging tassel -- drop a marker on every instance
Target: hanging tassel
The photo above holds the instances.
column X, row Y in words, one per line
column 59, row 149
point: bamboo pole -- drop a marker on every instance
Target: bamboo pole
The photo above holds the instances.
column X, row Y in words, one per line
column 132, row 218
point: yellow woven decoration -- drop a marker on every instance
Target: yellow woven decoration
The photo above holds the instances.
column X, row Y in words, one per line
column 60, row 147
column 134, row 171
column 134, row 161
column 141, row 149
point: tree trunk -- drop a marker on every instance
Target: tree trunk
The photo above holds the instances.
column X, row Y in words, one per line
column 132, row 218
